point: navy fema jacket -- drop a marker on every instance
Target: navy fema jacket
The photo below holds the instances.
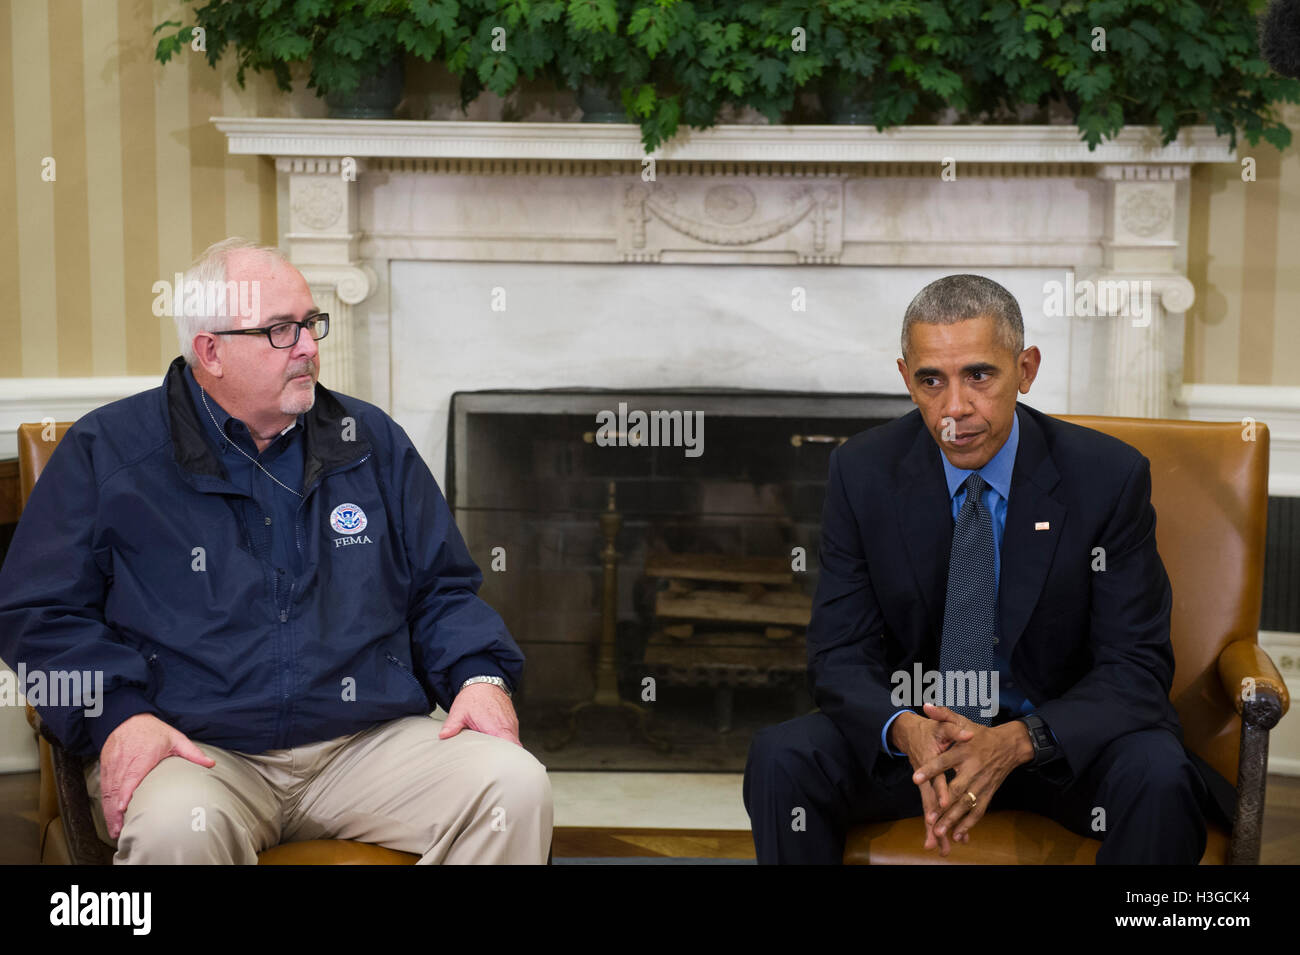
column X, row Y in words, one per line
column 100, row 576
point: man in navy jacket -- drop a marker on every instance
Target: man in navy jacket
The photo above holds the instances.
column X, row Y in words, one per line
column 1073, row 619
column 268, row 581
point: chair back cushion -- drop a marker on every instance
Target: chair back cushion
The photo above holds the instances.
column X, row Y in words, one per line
column 34, row 453
column 1209, row 487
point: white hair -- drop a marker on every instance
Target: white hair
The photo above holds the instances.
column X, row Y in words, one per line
column 210, row 311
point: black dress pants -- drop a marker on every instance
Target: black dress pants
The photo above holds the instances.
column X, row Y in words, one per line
column 804, row 788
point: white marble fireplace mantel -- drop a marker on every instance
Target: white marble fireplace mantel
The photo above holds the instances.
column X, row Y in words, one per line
column 440, row 139
column 473, row 255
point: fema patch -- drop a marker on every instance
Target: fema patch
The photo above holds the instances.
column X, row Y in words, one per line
column 348, row 519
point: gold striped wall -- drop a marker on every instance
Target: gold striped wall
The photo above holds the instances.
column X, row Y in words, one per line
column 144, row 183
column 1244, row 260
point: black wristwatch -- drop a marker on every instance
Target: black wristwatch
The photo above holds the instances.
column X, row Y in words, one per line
column 1045, row 748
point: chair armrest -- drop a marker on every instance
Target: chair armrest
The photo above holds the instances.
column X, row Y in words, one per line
column 1249, row 676
column 1259, row 695
column 41, row 727
column 84, row 845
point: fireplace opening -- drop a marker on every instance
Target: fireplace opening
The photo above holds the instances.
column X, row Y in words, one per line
column 654, row 554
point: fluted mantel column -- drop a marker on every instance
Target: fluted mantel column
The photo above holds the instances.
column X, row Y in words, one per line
column 322, row 241
column 1141, row 283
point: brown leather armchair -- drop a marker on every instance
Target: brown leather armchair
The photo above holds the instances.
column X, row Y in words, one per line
column 68, row 834
column 1209, row 487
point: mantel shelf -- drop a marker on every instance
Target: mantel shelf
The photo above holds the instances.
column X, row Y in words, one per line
column 727, row 143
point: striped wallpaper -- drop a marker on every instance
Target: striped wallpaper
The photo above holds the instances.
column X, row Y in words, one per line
column 144, row 183
column 1244, row 260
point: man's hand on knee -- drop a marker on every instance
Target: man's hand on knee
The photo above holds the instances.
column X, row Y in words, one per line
column 485, row 708
column 130, row 753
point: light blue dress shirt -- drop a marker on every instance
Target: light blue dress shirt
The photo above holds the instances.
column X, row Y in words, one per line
column 997, row 475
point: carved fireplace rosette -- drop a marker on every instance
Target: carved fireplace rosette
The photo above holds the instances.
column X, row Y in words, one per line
column 1147, row 211
column 318, row 205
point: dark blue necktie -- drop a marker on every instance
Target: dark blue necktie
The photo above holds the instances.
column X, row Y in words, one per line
column 972, row 598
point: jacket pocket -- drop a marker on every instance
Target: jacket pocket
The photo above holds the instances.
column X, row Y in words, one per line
column 155, row 671
column 406, row 671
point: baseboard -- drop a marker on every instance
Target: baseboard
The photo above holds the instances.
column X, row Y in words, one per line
column 1284, row 741
column 1276, row 406
column 24, row 400
column 19, row 764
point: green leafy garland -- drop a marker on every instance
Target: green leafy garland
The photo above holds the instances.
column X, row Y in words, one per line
column 1167, row 63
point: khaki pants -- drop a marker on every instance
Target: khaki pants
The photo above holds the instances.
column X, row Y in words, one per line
column 468, row 799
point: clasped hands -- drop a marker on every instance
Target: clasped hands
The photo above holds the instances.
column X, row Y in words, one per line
column 981, row 757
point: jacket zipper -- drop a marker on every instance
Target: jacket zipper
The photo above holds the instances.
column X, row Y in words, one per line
column 285, row 705
column 405, row 670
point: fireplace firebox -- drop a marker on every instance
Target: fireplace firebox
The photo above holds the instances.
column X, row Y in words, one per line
column 718, row 496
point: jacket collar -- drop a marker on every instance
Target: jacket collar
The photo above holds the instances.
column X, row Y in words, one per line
column 326, row 447
column 228, row 427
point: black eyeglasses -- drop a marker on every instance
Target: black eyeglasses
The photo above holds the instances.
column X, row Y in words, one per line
column 285, row 334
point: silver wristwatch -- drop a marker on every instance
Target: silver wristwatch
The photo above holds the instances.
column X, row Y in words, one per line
column 494, row 680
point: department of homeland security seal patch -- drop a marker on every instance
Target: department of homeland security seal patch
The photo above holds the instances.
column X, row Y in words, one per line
column 348, row 519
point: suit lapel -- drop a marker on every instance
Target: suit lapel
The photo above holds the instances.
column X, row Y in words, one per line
column 1026, row 552
column 925, row 515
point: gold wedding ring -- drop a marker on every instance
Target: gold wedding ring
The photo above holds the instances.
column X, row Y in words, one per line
column 972, row 797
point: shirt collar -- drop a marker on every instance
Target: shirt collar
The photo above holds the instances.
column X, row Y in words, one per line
column 997, row 472
column 230, row 426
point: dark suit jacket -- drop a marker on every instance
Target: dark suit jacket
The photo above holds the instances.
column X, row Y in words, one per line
column 1090, row 647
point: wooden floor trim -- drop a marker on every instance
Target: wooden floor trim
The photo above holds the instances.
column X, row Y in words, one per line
column 619, row 843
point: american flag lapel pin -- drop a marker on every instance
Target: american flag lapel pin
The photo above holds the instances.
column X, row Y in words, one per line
column 1042, row 525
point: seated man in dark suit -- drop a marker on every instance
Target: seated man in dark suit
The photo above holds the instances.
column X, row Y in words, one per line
column 1006, row 562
